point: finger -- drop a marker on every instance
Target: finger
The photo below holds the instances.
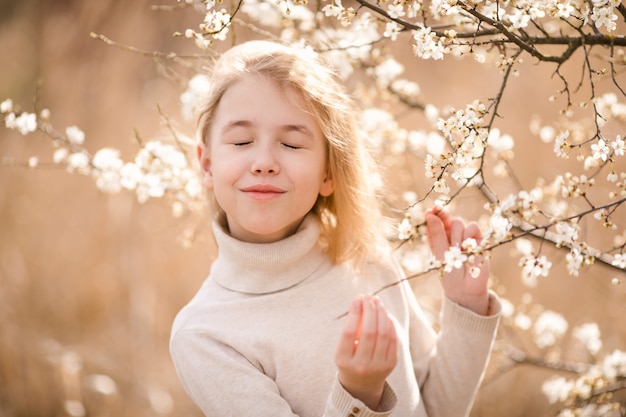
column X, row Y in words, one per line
column 442, row 214
column 392, row 349
column 385, row 329
column 369, row 330
column 437, row 236
column 472, row 231
column 350, row 333
column 387, row 341
column 457, row 229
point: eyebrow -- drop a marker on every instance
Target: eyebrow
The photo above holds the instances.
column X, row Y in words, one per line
column 292, row 127
column 236, row 123
column 298, row 128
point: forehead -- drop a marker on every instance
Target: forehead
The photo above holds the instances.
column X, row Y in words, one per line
column 263, row 100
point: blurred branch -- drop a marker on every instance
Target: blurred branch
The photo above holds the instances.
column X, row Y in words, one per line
column 150, row 54
column 169, row 8
column 520, row 357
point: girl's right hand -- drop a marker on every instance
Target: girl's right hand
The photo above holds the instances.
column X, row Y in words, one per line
column 367, row 351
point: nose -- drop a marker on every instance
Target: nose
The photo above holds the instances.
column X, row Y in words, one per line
column 265, row 161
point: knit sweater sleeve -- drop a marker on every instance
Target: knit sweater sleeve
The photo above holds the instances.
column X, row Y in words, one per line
column 450, row 368
column 222, row 382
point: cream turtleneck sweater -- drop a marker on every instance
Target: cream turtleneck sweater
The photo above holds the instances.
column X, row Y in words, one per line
column 259, row 337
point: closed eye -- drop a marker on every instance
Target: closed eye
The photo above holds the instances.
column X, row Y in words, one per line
column 242, row 143
column 287, row 145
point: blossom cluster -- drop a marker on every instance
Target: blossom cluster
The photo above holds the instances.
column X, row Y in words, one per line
column 23, row 122
column 548, row 327
column 528, row 208
column 78, row 383
column 454, row 151
column 214, row 27
column 587, row 394
column 158, row 170
column 599, row 152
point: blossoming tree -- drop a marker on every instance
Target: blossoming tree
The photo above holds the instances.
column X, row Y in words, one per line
column 454, row 153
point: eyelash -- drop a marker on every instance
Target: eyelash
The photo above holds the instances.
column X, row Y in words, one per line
column 238, row 144
column 291, row 146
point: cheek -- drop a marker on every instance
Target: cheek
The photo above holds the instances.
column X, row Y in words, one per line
column 225, row 176
column 315, row 184
column 220, row 198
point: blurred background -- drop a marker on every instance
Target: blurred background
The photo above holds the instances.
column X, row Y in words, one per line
column 90, row 283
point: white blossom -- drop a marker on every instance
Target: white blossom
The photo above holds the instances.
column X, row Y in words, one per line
column 566, row 233
column 396, row 10
column 75, row 135
column 427, row 45
column 387, row 71
column 6, row 106
column 469, row 245
column 498, row 142
column 600, row 150
column 102, row 384
column 557, row 389
column 532, row 268
column 589, row 335
column 453, row 258
column 392, row 30
column 441, row 187
column 107, row 166
column 548, row 328
column 405, row 229
column 499, row 227
column 413, row 8
column 619, row 260
column 405, row 88
column 333, row 9
column 191, row 99
column 618, row 146
column 78, row 161
column 523, row 321
column 604, row 16
column 575, row 260
column 519, row 19
column 25, row 123
column 130, row 176
column 565, row 10
column 60, row 155
column 614, row 365
column 507, row 307
column 561, row 145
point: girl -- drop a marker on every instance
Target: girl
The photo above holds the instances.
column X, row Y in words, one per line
column 297, row 230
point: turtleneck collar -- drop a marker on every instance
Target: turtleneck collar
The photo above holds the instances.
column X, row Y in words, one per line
column 263, row 268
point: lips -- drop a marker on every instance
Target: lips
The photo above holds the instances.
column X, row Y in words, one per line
column 263, row 191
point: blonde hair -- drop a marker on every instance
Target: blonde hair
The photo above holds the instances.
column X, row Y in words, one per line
column 350, row 217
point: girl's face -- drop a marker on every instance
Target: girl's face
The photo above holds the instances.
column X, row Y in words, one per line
column 265, row 160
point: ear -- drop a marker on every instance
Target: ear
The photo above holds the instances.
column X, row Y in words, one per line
column 327, row 186
column 204, row 158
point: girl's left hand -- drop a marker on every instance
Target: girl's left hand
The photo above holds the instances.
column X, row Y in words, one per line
column 459, row 285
